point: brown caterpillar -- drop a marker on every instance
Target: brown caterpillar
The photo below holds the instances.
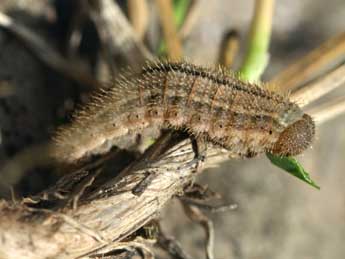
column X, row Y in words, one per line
column 241, row 117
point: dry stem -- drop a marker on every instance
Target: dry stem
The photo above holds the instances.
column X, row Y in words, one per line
column 328, row 110
column 117, row 34
column 95, row 225
column 229, row 49
column 308, row 65
column 139, row 16
column 320, row 87
column 169, row 29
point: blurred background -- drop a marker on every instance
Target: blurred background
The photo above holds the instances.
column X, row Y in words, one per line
column 278, row 216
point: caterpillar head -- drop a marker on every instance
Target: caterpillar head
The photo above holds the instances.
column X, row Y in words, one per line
column 296, row 138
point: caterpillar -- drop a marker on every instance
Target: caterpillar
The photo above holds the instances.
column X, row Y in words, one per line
column 242, row 117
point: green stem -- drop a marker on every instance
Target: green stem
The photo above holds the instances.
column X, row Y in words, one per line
column 257, row 56
column 254, row 64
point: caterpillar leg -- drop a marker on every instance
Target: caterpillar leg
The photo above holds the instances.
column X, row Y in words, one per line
column 142, row 185
column 199, row 145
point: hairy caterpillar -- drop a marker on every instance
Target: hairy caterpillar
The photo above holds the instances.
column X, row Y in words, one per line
column 241, row 117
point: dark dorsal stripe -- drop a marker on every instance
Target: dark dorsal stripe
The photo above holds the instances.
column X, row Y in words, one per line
column 215, row 77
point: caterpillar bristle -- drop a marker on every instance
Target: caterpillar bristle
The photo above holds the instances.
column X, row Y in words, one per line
column 245, row 118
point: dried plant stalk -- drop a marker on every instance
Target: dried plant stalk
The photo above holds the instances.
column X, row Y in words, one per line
column 96, row 224
column 321, row 87
column 229, row 49
column 328, row 110
column 118, row 35
column 302, row 69
column 169, row 29
column 139, row 16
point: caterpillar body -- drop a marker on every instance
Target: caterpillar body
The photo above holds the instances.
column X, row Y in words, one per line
column 211, row 103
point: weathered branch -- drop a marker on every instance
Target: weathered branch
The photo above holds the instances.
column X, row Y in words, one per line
column 109, row 215
column 295, row 74
column 117, row 34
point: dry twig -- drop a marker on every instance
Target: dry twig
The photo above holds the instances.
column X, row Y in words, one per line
column 196, row 215
column 191, row 19
column 327, row 111
column 308, row 65
column 169, row 29
column 229, row 49
column 139, row 16
column 320, row 87
column 113, row 213
column 117, row 34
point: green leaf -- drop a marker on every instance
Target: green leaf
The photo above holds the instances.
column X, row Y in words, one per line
column 292, row 166
column 180, row 11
